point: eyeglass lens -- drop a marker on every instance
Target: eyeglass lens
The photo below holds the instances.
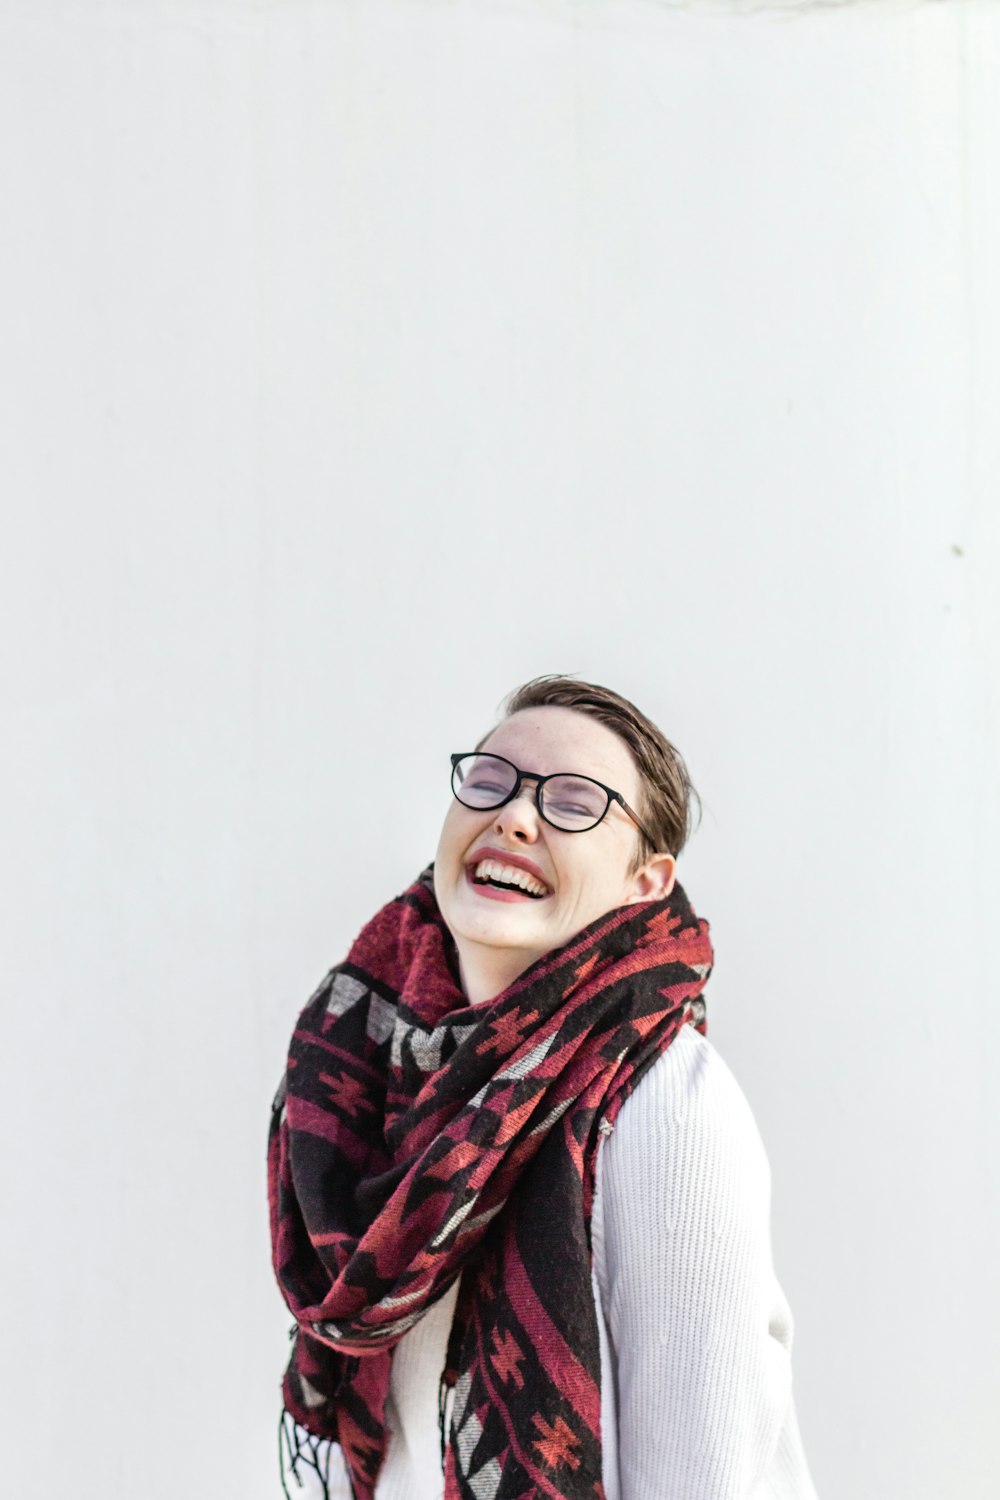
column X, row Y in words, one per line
column 570, row 802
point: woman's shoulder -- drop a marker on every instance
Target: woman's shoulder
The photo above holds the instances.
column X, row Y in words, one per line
column 687, row 1103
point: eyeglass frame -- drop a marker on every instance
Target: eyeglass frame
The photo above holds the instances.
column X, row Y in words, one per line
column 539, row 780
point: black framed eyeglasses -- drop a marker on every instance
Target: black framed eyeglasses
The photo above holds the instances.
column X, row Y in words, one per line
column 569, row 802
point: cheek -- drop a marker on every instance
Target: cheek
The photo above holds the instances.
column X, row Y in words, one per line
column 447, row 864
column 443, row 836
column 457, row 833
column 447, row 845
column 597, row 883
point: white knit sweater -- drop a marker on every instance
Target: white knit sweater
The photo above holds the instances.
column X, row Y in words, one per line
column 696, row 1381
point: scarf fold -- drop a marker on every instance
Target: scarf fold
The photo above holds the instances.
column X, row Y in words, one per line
column 417, row 1139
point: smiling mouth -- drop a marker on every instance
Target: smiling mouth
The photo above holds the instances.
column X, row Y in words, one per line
column 504, row 890
column 501, row 885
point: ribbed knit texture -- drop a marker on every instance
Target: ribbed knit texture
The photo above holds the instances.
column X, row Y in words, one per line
column 695, row 1330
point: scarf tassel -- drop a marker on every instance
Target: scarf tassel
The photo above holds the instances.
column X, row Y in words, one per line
column 297, row 1446
column 442, row 1404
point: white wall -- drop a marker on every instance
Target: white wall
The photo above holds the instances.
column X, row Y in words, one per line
column 358, row 361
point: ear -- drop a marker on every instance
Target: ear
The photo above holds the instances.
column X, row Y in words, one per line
column 655, row 880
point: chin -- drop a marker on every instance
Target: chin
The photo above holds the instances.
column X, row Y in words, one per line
column 504, row 929
column 500, row 926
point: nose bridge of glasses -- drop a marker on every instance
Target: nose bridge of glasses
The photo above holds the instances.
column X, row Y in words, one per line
column 523, row 790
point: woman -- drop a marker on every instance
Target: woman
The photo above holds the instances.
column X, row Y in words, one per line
column 519, row 1205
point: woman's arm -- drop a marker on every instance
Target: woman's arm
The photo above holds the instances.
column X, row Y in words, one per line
column 700, row 1330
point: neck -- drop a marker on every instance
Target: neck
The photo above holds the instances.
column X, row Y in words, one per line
column 486, row 972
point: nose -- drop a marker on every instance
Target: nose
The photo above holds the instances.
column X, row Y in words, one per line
column 519, row 817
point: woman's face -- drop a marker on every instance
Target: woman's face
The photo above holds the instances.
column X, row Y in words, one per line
column 499, row 933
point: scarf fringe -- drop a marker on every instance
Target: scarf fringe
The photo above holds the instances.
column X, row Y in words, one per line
column 443, row 1389
column 297, row 1446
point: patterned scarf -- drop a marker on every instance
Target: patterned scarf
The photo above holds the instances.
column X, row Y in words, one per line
column 417, row 1138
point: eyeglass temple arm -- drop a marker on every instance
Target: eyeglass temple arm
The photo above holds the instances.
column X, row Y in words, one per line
column 633, row 815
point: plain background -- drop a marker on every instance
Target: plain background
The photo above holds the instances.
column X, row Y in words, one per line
column 361, row 359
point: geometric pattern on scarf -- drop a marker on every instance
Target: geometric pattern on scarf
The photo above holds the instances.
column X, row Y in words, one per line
column 417, row 1140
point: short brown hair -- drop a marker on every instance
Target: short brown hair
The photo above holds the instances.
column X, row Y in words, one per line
column 666, row 789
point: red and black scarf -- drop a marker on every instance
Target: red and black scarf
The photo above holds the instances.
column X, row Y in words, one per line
column 417, row 1138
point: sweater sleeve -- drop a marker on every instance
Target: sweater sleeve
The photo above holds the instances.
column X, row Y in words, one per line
column 700, row 1331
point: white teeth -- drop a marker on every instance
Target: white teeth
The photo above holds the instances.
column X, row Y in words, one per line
column 490, row 869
